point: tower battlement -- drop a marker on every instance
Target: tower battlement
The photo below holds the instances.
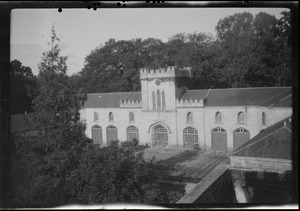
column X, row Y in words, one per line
column 169, row 72
column 130, row 104
column 190, row 103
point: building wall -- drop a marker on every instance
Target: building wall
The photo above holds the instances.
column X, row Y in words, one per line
column 176, row 121
column 252, row 116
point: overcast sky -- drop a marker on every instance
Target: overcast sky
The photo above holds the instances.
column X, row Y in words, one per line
column 82, row 30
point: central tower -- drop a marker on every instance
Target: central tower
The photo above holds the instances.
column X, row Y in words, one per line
column 161, row 87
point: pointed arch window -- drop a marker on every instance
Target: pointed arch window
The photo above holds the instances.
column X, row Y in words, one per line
column 189, row 117
column 241, row 118
column 131, row 117
column 96, row 117
column 263, row 118
column 163, row 100
column 218, row 117
column 153, row 100
column 158, row 100
column 111, row 116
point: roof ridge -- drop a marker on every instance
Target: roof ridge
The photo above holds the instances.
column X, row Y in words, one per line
column 278, row 101
column 264, row 87
column 106, row 93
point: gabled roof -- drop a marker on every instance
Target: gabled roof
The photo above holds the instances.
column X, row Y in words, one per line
column 273, row 142
column 255, row 96
column 109, row 100
column 258, row 96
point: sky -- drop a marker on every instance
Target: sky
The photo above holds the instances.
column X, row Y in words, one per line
column 81, row 30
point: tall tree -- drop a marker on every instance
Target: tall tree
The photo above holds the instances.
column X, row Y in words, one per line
column 22, row 83
column 47, row 159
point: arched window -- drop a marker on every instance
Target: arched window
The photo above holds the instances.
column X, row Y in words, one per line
column 132, row 133
column 96, row 117
column 158, row 100
column 131, row 117
column 189, row 117
column 218, row 117
column 263, row 118
column 240, row 118
column 111, row 116
column 153, row 100
column 163, row 100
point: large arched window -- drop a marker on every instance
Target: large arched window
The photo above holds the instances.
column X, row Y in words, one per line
column 111, row 116
column 131, row 117
column 158, row 100
column 189, row 117
column 241, row 118
column 96, row 118
column 218, row 117
column 163, row 100
column 153, row 100
column 263, row 118
column 132, row 133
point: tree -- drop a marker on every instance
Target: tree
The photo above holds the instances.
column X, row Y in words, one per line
column 22, row 83
column 47, row 159
column 116, row 175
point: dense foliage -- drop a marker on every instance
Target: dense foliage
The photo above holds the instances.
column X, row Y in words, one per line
column 59, row 165
column 248, row 51
column 22, row 84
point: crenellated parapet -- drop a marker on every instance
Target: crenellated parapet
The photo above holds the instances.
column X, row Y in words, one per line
column 189, row 103
column 130, row 103
column 169, row 72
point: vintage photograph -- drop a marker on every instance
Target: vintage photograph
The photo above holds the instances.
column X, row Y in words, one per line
column 151, row 106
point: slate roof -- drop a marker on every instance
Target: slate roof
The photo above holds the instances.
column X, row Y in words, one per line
column 273, row 142
column 109, row 100
column 255, row 96
column 195, row 94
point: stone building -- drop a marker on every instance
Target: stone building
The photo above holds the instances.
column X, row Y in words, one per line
column 166, row 114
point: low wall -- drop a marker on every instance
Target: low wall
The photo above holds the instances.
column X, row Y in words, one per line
column 202, row 190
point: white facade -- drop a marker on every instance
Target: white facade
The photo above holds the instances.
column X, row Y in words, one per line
column 171, row 112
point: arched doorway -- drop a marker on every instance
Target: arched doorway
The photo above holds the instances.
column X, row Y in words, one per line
column 160, row 136
column 190, row 137
column 97, row 134
column 219, row 139
column 111, row 133
column 240, row 136
column 132, row 133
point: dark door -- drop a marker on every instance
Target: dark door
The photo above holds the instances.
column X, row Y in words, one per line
column 190, row 137
column 161, row 136
column 219, row 139
column 97, row 134
column 240, row 137
column 111, row 133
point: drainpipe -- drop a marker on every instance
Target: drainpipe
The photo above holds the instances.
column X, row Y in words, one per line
column 176, row 125
column 203, row 118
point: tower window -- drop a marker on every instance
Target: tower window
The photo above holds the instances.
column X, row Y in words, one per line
column 153, row 101
column 163, row 100
column 158, row 100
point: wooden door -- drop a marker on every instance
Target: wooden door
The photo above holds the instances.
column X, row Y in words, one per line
column 161, row 136
column 219, row 139
column 97, row 134
column 240, row 137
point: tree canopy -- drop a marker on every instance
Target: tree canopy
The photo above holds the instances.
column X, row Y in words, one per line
column 248, row 51
column 22, row 85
